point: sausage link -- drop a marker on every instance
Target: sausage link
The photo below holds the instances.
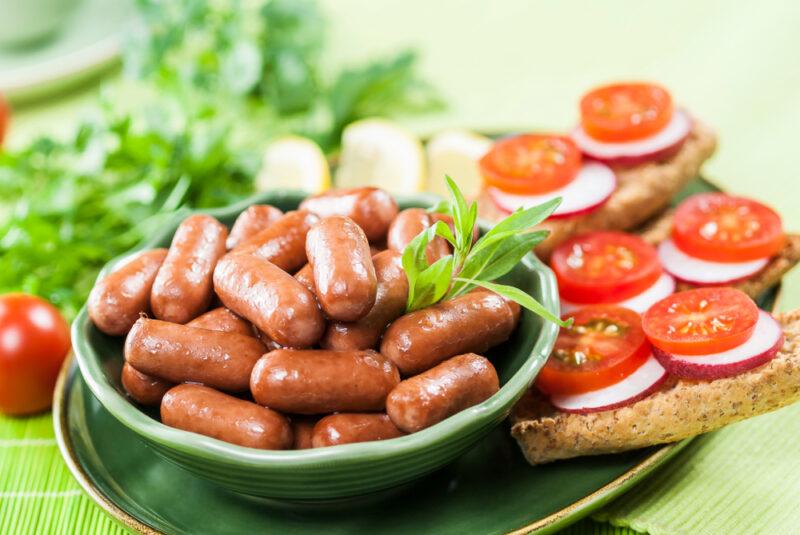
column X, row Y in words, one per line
column 181, row 354
column 407, row 225
column 344, row 276
column 450, row 387
column 203, row 410
column 223, row 320
column 269, row 298
column 284, row 242
column 372, row 209
column 471, row 323
column 117, row 300
column 142, row 388
column 390, row 303
column 306, row 278
column 182, row 289
column 303, row 429
column 252, row 221
column 349, row 428
column 320, row 381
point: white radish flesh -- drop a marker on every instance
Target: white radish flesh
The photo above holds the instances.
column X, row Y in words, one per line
column 593, row 185
column 634, row 387
column 658, row 146
column 663, row 287
column 762, row 346
column 705, row 272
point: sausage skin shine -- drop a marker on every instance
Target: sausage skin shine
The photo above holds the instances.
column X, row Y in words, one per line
column 321, row 382
column 206, row 411
column 450, row 387
column 471, row 323
column 347, row 428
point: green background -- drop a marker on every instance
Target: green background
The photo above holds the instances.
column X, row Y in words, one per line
column 523, row 65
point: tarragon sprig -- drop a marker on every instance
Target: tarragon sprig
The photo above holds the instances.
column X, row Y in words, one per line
column 478, row 264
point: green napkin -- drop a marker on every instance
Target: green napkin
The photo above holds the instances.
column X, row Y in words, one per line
column 741, row 479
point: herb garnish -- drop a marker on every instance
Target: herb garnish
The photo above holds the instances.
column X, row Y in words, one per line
column 491, row 257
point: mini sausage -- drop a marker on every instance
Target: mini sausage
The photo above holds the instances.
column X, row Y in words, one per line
column 252, row 221
column 181, row 354
column 117, row 300
column 450, row 387
column 372, row 209
column 269, row 298
column 471, row 323
column 205, row 411
column 407, row 225
column 390, row 303
column 142, row 388
column 303, row 429
column 344, row 276
column 320, row 381
column 306, row 278
column 354, row 427
column 284, row 242
column 223, row 320
column 182, row 289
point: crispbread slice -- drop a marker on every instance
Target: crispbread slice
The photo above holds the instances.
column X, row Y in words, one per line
column 680, row 409
column 642, row 192
column 659, row 230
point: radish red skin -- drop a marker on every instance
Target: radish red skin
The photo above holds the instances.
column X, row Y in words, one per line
column 630, row 401
column 632, row 161
column 686, row 370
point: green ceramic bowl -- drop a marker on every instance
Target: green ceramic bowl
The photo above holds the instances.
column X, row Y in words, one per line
column 340, row 471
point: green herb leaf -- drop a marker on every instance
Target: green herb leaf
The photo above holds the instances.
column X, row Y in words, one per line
column 432, row 283
column 521, row 298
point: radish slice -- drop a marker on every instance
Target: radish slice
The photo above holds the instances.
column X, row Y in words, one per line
column 663, row 287
column 698, row 271
column 634, row 387
column 658, row 146
column 766, row 341
column 592, row 186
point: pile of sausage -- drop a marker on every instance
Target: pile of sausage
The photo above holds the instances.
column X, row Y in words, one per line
column 322, row 357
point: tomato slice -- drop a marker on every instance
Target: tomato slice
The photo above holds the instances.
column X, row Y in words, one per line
column 625, row 112
column 723, row 228
column 604, row 345
column 701, row 321
column 531, row 163
column 604, row 267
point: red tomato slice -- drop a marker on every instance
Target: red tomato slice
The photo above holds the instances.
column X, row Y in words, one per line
column 604, row 267
column 723, row 228
column 625, row 112
column 701, row 321
column 531, row 163
column 604, row 345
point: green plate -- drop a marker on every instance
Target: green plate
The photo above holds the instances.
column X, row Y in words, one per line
column 491, row 489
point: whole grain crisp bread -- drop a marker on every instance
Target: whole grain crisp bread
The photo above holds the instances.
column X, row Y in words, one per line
column 680, row 409
column 642, row 192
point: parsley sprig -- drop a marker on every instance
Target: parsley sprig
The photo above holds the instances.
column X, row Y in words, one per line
column 478, row 264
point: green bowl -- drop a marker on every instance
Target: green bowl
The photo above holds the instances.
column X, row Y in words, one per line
column 341, row 471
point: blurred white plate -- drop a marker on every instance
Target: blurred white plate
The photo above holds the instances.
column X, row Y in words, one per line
column 89, row 43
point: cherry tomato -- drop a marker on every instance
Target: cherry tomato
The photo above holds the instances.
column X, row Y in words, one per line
column 723, row 228
column 701, row 321
column 604, row 345
column 531, row 163
column 34, row 339
column 5, row 115
column 604, row 267
column 625, row 112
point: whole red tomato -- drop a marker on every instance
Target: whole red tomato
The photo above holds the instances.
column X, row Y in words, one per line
column 34, row 339
column 5, row 114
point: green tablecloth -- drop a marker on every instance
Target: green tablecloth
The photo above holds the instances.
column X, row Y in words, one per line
column 523, row 64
